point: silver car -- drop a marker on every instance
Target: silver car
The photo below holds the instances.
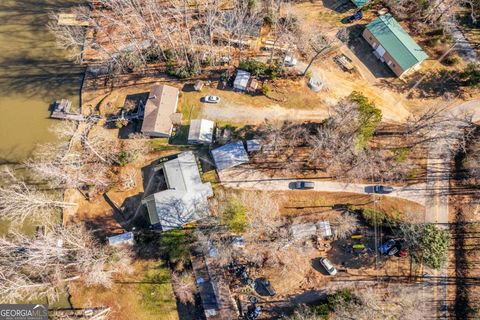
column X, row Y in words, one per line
column 328, row 266
column 211, row 99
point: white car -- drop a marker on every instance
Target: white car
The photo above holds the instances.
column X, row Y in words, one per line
column 290, row 61
column 328, row 266
column 211, row 99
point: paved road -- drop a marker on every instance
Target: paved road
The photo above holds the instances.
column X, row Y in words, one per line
column 415, row 193
column 462, row 46
column 438, row 183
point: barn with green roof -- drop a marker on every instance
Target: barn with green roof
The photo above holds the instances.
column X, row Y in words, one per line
column 393, row 45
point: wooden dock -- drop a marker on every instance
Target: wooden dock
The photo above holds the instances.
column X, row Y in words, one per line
column 61, row 111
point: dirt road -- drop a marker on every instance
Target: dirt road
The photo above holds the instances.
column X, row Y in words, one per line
column 236, row 113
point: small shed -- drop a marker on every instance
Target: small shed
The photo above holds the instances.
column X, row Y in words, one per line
column 198, row 85
column 230, row 155
column 253, row 145
column 201, row 131
column 324, row 228
column 241, row 80
column 252, row 85
column 121, row 239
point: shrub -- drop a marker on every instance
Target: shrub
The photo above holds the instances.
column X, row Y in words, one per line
column 120, row 123
column 309, row 74
column 373, row 217
column 266, row 90
column 472, row 74
column 434, row 246
column 253, row 66
column 451, row 60
column 124, row 158
column 401, row 154
column 235, row 216
column 370, row 117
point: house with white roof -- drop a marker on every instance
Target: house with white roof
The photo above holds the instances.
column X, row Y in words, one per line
column 185, row 200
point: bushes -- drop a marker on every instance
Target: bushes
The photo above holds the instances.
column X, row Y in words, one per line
column 323, row 310
column 370, row 117
column 434, row 246
column 401, row 154
column 266, row 90
column 373, row 217
column 235, row 216
column 258, row 68
column 472, row 74
column 255, row 67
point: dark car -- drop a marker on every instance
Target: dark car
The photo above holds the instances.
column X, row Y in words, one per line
column 356, row 16
column 303, row 185
column 263, row 285
column 385, row 247
column 382, row 189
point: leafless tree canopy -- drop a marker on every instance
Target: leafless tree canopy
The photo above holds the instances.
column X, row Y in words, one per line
column 129, row 34
column 33, row 268
column 19, row 201
column 434, row 12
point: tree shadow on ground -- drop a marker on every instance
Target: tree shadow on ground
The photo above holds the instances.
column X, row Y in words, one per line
column 363, row 51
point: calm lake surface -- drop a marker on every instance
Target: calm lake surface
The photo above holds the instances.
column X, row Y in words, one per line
column 33, row 74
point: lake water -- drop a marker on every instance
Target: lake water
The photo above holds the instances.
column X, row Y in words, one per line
column 33, row 74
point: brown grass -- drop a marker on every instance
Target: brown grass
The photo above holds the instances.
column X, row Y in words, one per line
column 127, row 296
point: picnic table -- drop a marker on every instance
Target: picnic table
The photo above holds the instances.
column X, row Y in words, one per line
column 344, row 62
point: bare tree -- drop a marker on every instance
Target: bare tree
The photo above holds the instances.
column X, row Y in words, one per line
column 184, row 287
column 313, row 44
column 345, row 225
column 36, row 267
column 283, row 25
column 18, row 201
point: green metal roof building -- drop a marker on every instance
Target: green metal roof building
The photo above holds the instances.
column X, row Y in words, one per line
column 393, row 45
column 360, row 3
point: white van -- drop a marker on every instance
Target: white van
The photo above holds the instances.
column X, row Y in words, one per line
column 328, row 266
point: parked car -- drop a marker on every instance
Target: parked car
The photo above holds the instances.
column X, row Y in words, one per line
column 385, row 247
column 211, row 99
column 382, row 189
column 290, row 61
column 264, row 285
column 303, row 185
column 356, row 16
column 393, row 250
column 328, row 266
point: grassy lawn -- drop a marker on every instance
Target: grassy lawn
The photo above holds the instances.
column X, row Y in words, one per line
column 146, row 294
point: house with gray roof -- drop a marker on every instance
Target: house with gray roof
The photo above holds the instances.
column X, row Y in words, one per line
column 393, row 45
column 185, row 200
column 230, row 155
column 159, row 111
